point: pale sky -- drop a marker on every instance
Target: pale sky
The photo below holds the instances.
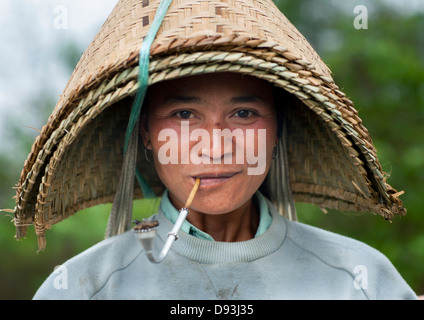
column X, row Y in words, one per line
column 30, row 34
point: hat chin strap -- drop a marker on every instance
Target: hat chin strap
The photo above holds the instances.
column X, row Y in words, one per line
column 121, row 214
column 279, row 188
column 289, row 208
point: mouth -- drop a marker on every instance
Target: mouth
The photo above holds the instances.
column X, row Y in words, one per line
column 213, row 179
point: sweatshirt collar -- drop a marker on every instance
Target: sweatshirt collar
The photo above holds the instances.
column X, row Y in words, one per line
column 172, row 213
column 206, row 251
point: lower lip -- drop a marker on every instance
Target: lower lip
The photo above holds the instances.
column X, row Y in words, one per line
column 209, row 182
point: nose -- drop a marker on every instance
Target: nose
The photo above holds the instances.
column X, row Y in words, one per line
column 225, row 142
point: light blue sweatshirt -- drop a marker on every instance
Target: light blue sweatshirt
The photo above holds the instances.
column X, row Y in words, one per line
column 289, row 260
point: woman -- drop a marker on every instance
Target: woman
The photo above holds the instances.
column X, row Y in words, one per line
column 217, row 109
column 234, row 242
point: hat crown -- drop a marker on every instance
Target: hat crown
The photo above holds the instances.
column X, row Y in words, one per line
column 189, row 25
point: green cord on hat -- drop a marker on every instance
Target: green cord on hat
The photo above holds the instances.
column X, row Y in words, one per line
column 143, row 73
column 121, row 213
column 143, row 78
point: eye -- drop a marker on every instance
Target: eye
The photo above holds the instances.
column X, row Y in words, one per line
column 184, row 114
column 243, row 113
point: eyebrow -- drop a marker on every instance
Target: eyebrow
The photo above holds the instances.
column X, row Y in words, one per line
column 247, row 99
column 182, row 99
column 193, row 99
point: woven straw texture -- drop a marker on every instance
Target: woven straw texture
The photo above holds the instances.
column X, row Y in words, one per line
column 76, row 160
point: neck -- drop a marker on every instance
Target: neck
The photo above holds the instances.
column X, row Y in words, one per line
column 238, row 225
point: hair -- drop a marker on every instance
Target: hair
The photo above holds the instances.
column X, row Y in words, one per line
column 282, row 99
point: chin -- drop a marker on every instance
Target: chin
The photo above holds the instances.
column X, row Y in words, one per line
column 216, row 205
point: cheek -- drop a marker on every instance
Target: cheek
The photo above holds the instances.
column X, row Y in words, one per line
column 161, row 140
column 171, row 145
column 260, row 143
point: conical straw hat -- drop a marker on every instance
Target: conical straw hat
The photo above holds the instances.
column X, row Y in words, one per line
column 76, row 160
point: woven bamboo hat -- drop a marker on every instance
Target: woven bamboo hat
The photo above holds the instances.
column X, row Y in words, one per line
column 77, row 159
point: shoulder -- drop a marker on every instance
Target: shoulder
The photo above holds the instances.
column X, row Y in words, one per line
column 329, row 246
column 370, row 269
column 85, row 274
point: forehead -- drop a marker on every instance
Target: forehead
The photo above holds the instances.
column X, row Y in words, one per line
column 214, row 85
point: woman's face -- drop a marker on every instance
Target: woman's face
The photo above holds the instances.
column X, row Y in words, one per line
column 221, row 128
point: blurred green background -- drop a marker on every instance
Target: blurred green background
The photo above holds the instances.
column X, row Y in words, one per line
column 380, row 68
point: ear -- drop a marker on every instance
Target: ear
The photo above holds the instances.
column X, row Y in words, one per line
column 145, row 135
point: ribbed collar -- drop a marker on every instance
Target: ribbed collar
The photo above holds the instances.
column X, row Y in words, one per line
column 206, row 251
column 172, row 213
